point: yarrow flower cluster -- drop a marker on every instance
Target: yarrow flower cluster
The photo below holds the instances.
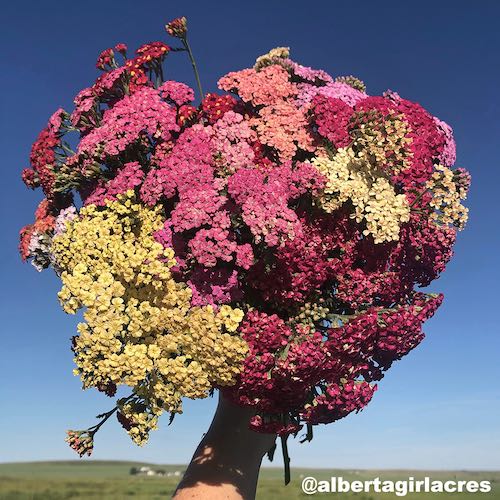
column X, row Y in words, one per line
column 267, row 242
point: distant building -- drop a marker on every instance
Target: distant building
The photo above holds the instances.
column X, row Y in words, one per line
column 146, row 470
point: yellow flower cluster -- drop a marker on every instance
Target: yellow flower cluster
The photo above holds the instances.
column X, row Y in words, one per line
column 272, row 57
column 352, row 81
column 383, row 141
column 446, row 198
column 140, row 329
column 350, row 177
column 140, row 421
column 384, row 211
column 310, row 313
column 230, row 317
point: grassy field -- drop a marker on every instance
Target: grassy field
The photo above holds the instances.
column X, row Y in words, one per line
column 112, row 480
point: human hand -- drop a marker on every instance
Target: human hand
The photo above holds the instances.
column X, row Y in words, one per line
column 227, row 461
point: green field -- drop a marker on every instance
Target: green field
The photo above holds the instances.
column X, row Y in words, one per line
column 112, row 480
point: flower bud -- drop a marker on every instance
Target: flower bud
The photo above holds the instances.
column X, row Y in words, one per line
column 177, row 27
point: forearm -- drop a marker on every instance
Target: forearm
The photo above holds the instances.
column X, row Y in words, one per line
column 227, row 461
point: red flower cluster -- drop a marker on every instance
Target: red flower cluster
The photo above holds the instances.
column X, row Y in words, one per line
column 150, row 51
column 286, row 366
column 106, row 59
column 332, row 117
column 214, row 106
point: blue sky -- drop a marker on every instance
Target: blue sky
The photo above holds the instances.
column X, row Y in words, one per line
column 438, row 407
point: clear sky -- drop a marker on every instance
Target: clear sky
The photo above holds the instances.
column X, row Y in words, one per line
column 437, row 408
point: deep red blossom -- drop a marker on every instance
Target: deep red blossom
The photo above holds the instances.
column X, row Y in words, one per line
column 187, row 115
column 427, row 146
column 43, row 159
column 338, row 401
column 125, row 422
column 273, row 426
column 400, row 330
column 265, row 333
column 109, row 389
column 423, row 251
column 30, row 178
column 331, row 117
column 307, row 262
column 214, row 106
column 106, row 58
column 121, row 48
column 138, row 76
column 152, row 50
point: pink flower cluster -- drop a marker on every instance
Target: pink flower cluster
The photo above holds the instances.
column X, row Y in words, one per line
column 135, row 118
column 336, row 90
column 279, row 123
column 128, row 177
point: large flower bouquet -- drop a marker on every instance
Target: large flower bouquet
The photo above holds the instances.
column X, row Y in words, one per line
column 266, row 242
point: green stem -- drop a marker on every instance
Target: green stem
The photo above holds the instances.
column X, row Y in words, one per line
column 419, row 197
column 104, row 416
column 270, row 453
column 195, row 68
column 309, row 434
column 286, row 458
column 162, row 78
column 67, row 149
